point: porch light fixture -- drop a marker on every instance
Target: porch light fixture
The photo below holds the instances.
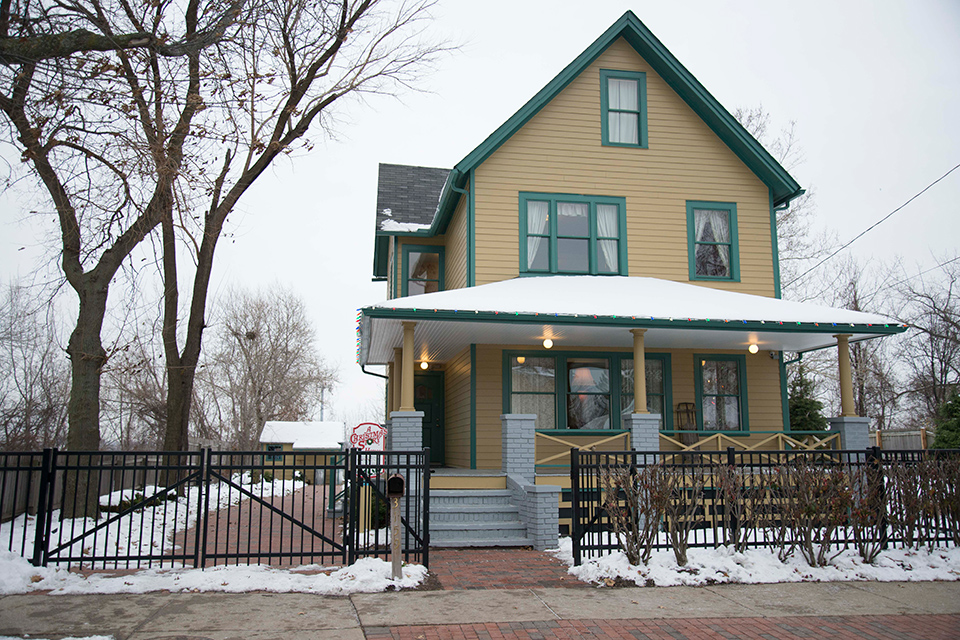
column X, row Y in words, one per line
column 424, row 365
column 547, row 343
column 753, row 348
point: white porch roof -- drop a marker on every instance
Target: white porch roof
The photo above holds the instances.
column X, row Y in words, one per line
column 597, row 311
column 304, row 435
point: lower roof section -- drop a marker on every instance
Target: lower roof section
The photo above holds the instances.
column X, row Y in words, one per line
column 598, row 311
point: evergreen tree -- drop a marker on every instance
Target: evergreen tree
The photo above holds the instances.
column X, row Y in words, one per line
column 948, row 424
column 804, row 407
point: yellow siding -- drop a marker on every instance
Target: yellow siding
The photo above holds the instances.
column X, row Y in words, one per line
column 559, row 151
column 489, row 369
column 457, row 410
column 455, row 256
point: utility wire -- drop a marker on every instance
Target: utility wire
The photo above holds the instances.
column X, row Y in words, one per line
column 873, row 226
column 942, row 264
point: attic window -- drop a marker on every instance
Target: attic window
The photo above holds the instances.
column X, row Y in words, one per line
column 623, row 106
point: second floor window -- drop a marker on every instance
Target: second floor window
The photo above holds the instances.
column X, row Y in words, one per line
column 422, row 269
column 572, row 234
column 712, row 241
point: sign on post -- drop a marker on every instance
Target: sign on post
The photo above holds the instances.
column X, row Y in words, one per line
column 367, row 436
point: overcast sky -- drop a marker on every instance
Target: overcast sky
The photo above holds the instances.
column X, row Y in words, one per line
column 873, row 86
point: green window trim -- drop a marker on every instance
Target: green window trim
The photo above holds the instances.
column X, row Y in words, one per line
column 275, row 457
column 420, row 248
column 641, row 111
column 553, row 238
column 561, row 389
column 730, row 208
column 741, row 361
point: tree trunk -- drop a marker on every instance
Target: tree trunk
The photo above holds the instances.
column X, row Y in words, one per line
column 87, row 357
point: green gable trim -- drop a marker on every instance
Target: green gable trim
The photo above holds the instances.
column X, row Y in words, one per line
column 641, row 79
column 629, row 321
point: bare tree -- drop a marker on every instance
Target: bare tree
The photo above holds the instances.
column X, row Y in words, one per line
column 34, row 377
column 263, row 365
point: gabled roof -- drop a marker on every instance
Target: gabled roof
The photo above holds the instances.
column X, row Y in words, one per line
column 598, row 311
column 782, row 186
column 304, row 435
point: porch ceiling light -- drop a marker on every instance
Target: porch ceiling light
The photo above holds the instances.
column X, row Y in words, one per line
column 547, row 343
column 753, row 348
column 424, row 365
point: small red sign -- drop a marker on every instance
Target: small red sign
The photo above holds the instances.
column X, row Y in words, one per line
column 368, row 436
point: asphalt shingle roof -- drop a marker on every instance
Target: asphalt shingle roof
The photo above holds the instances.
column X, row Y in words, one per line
column 410, row 194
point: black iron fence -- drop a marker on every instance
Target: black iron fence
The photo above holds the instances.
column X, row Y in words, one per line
column 870, row 499
column 126, row 510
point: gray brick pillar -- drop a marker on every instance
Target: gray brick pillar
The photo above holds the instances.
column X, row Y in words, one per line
column 644, row 430
column 543, row 516
column 406, row 433
column 518, row 451
column 854, row 432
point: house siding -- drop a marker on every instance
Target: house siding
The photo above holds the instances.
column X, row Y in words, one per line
column 455, row 276
column 559, row 151
column 457, row 410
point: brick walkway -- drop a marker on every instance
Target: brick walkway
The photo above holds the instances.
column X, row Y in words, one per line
column 932, row 627
column 499, row 569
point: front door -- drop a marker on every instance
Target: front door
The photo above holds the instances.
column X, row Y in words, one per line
column 428, row 397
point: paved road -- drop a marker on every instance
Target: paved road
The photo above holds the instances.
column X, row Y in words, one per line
column 924, row 610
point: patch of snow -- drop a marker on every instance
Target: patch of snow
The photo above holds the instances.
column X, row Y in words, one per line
column 725, row 565
column 393, row 225
column 387, row 212
column 68, row 638
column 304, row 435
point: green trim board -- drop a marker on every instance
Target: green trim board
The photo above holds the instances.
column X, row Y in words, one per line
column 561, row 384
column 784, row 395
column 640, row 78
column 733, row 245
column 420, row 248
column 554, row 236
column 629, row 321
column 741, row 360
column 473, row 406
column 775, row 246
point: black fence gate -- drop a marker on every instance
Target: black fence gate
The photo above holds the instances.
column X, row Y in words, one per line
column 122, row 510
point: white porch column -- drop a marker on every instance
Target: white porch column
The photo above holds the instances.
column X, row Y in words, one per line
column 846, row 379
column 639, row 372
column 406, row 374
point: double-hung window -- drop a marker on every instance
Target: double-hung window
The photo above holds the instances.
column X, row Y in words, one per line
column 721, row 387
column 276, row 456
column 572, row 234
column 422, row 269
column 583, row 390
column 712, row 242
column 623, row 108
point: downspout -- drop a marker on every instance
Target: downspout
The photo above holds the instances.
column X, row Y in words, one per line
column 371, row 373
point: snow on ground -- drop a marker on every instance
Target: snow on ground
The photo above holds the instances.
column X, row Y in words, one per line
column 724, row 565
column 368, row 575
column 70, row 638
column 159, row 522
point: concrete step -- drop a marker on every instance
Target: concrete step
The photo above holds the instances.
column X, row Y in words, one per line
column 448, row 497
column 497, row 542
column 474, row 513
column 465, row 532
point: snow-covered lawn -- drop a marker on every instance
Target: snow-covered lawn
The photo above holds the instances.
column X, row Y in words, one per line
column 723, row 564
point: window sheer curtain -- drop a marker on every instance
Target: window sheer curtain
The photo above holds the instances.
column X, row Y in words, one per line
column 537, row 214
column 622, row 96
column 608, row 227
column 717, row 223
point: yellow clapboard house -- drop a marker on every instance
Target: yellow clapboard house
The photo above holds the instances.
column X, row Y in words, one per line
column 620, row 221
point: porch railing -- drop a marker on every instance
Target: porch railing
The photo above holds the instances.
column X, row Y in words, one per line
column 547, row 444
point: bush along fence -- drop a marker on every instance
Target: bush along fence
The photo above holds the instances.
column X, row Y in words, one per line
column 124, row 510
column 812, row 502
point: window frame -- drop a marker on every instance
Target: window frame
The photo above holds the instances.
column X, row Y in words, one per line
column 274, row 453
column 741, row 361
column 562, row 386
column 641, row 78
column 593, row 239
column 731, row 210
column 405, row 269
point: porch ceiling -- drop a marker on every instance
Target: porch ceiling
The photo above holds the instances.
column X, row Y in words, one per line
column 594, row 311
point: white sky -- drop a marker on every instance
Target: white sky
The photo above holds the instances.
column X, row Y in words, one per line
column 874, row 88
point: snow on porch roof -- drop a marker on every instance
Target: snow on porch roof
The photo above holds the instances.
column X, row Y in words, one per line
column 578, row 305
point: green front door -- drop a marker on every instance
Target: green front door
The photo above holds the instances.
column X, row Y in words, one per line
column 428, row 397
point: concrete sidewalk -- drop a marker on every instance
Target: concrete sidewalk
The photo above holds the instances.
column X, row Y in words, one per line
column 259, row 616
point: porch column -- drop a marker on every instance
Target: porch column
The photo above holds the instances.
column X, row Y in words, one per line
column 846, row 380
column 639, row 372
column 391, row 383
column 406, row 373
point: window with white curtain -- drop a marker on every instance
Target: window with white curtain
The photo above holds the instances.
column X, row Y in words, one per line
column 623, row 108
column 572, row 234
column 712, row 240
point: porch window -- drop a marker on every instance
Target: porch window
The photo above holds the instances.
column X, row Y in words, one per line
column 623, row 108
column 275, row 457
column 712, row 242
column 658, row 387
column 422, row 269
column 721, row 388
column 572, row 234
column 591, row 391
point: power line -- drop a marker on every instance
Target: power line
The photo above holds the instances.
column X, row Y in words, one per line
column 942, row 264
column 873, row 226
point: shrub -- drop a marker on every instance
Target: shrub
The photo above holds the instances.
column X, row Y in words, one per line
column 635, row 501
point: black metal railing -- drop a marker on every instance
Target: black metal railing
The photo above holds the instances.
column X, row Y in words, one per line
column 746, row 498
column 126, row 510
